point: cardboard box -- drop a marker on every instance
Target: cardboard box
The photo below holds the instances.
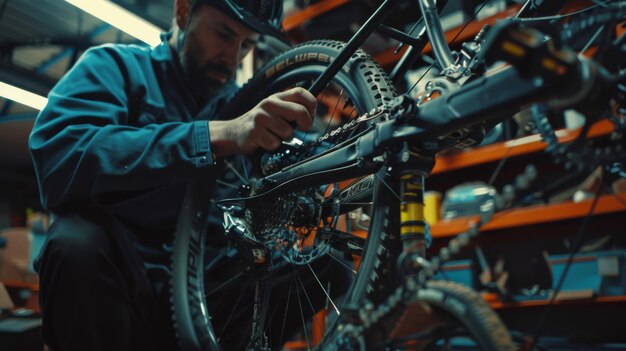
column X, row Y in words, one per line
column 15, row 257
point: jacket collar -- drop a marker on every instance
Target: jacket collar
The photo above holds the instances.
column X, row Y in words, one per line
column 163, row 52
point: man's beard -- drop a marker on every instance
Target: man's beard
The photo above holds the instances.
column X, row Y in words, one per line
column 201, row 85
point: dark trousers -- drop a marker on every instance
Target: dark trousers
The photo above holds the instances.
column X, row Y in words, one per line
column 96, row 295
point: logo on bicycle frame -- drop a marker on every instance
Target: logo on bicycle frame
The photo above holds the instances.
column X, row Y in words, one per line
column 357, row 189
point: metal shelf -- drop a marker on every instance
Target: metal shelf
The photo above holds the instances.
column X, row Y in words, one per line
column 297, row 18
column 533, row 215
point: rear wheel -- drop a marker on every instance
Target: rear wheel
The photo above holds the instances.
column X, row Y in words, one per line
column 311, row 243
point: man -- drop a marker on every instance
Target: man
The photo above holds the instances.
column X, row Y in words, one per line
column 121, row 134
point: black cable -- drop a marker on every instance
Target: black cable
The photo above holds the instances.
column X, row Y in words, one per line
column 528, row 2
column 558, row 17
column 496, row 172
column 503, row 160
column 577, row 243
column 469, row 21
column 451, row 42
column 422, row 77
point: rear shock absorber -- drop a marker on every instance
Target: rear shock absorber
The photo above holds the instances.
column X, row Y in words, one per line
column 412, row 168
column 412, row 224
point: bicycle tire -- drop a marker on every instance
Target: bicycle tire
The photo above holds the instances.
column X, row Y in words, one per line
column 456, row 308
column 482, row 321
column 368, row 87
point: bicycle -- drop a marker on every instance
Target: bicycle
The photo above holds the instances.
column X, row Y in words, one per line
column 292, row 210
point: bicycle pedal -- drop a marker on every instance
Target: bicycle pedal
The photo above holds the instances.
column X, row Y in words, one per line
column 528, row 49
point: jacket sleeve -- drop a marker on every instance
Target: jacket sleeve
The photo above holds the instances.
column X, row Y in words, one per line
column 84, row 151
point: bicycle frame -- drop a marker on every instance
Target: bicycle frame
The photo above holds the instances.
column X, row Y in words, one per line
column 355, row 157
column 416, row 134
column 433, row 28
column 479, row 101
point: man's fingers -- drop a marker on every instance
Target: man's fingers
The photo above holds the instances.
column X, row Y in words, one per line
column 268, row 141
column 265, row 140
column 300, row 96
column 291, row 112
column 278, row 126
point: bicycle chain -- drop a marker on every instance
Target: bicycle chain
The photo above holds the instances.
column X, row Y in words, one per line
column 369, row 315
column 336, row 133
column 374, row 113
column 580, row 154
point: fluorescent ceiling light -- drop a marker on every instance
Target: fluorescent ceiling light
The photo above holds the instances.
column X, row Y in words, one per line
column 122, row 19
column 22, row 96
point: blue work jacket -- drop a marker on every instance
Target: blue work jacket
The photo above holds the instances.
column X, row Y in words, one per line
column 121, row 131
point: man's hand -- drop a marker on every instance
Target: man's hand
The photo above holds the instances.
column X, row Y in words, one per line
column 266, row 125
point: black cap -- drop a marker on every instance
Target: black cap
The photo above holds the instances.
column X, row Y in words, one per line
column 262, row 16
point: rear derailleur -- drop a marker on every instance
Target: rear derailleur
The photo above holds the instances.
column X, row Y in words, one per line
column 253, row 252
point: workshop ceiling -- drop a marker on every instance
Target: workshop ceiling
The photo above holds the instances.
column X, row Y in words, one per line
column 39, row 41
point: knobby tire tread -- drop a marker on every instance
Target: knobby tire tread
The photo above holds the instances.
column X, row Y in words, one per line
column 483, row 322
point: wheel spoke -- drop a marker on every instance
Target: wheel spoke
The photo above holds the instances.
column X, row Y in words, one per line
column 306, row 337
column 307, row 133
column 307, row 297
column 224, row 284
column 323, row 289
column 388, row 186
column 332, row 115
column 523, row 8
column 338, row 236
column 340, row 262
column 232, row 311
column 590, row 42
column 352, row 203
column 221, row 182
column 242, row 159
column 422, row 76
column 234, row 170
column 282, row 330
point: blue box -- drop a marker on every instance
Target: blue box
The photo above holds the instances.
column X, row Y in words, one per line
column 603, row 272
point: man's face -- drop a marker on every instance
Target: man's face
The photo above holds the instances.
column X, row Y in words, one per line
column 214, row 46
